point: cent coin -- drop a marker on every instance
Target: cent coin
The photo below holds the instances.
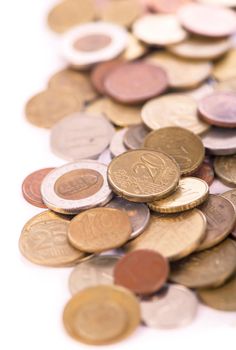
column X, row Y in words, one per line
column 220, row 141
column 205, row 172
column 225, row 168
column 135, row 135
column 117, row 146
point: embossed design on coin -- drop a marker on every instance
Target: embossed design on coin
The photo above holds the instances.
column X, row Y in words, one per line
column 220, row 141
column 225, row 168
column 135, row 135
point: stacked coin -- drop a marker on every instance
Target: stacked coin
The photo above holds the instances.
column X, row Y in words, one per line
column 145, row 112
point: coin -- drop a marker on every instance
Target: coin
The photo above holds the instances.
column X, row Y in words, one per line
column 201, row 91
column 96, row 107
column 101, row 315
column 138, row 213
column 228, row 3
column 163, row 6
column 135, row 82
column 228, row 85
column 205, row 172
column 220, row 141
column 81, row 136
column 97, row 270
column 120, row 114
column 211, row 21
column 143, row 175
column 225, row 68
column 135, row 135
column 218, row 187
column 142, row 271
column 225, row 168
column 231, row 196
column 220, row 262
column 76, row 186
column 159, row 29
column 117, row 146
column 31, row 187
column 134, row 50
column 173, row 110
column 100, row 71
column 177, row 308
column 174, row 236
column 100, row 229
column 181, row 144
column 50, row 106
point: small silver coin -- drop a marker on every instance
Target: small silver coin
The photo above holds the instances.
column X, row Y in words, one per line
column 135, row 135
column 177, row 308
column 117, row 146
column 81, row 136
column 220, row 141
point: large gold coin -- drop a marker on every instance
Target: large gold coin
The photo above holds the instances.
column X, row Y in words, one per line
column 143, row 175
column 184, row 146
column 225, row 168
column 190, row 193
column 102, row 315
column 174, row 236
column 225, row 68
column 173, row 110
column 210, row 268
column 134, row 50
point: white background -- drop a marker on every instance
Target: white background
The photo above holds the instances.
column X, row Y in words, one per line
column 32, row 297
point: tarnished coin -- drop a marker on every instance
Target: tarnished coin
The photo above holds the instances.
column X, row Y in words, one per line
column 205, row 172
column 48, row 107
column 181, row 144
column 225, row 168
column 142, row 271
column 159, row 29
column 135, row 135
column 76, row 186
column 173, row 110
column 163, row 6
column 100, row 229
column 138, row 213
column 31, row 187
column 81, row 136
column 102, row 315
column 136, row 82
column 143, row 175
column 177, row 308
column 44, row 241
column 117, row 146
column 228, row 85
column 190, row 193
column 174, row 236
column 225, row 68
column 134, row 50
column 97, row 270
column 120, row 114
column 220, row 262
column 220, row 141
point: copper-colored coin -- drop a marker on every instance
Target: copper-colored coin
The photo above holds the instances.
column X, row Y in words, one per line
column 219, row 109
column 184, row 146
column 217, row 187
column 135, row 135
column 136, row 82
column 225, row 168
column 225, row 68
column 99, row 229
column 206, row 173
column 142, row 271
column 164, row 6
column 220, row 141
column 231, row 196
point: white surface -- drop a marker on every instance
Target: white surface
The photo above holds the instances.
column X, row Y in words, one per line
column 32, row 297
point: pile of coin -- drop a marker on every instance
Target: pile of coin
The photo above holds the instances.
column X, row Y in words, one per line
column 145, row 112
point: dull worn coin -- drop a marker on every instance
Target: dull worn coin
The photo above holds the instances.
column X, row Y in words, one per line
column 225, row 168
column 135, row 135
column 225, row 68
column 220, row 141
column 205, row 172
column 117, row 146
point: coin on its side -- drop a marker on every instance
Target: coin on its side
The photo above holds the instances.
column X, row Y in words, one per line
column 220, row 141
column 101, row 315
column 225, row 168
column 225, row 68
column 135, row 135
column 143, row 175
column 205, row 172
column 121, row 114
column 117, row 146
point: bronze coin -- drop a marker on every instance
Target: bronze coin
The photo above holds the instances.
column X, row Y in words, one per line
column 31, row 187
column 166, row 6
column 231, row 196
column 135, row 82
column 92, row 42
column 142, row 271
column 205, row 172
column 219, row 109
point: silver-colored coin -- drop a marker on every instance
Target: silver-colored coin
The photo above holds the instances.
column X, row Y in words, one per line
column 217, row 187
column 220, row 141
column 98, row 270
column 76, row 186
column 81, row 136
column 138, row 213
column 135, row 135
column 117, row 146
column 177, row 308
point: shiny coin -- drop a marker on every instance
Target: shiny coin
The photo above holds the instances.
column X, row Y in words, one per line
column 143, row 175
column 163, row 6
column 181, row 144
column 76, row 186
column 228, row 85
column 81, row 136
column 142, row 271
column 225, row 68
column 134, row 50
column 205, row 172
column 102, row 315
column 225, row 168
column 100, row 229
column 117, row 146
column 220, row 262
column 177, row 308
column 220, row 141
column 173, row 110
column 135, row 135
column 174, row 236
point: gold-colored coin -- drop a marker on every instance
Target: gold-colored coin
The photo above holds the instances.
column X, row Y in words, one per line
column 44, row 241
column 231, row 196
column 69, row 13
column 225, row 68
column 173, row 110
column 102, row 315
column 210, row 268
column 143, row 175
column 225, row 168
column 174, row 236
column 96, row 107
column 228, row 85
column 182, row 73
column 190, row 193
column 184, row 146
column 49, row 106
column 134, row 50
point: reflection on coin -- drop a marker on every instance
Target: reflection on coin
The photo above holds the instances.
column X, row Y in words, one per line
column 176, row 308
column 97, row 270
column 174, row 236
column 225, row 168
column 170, row 6
column 225, row 68
column 173, row 110
column 135, row 135
column 192, row 271
column 138, row 213
column 205, row 172
column 102, row 315
column 220, row 141
column 228, row 85
column 100, row 71
column 76, row 186
column 134, row 50
column 117, row 146
column 120, row 114
column 143, row 175
column 81, row 136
